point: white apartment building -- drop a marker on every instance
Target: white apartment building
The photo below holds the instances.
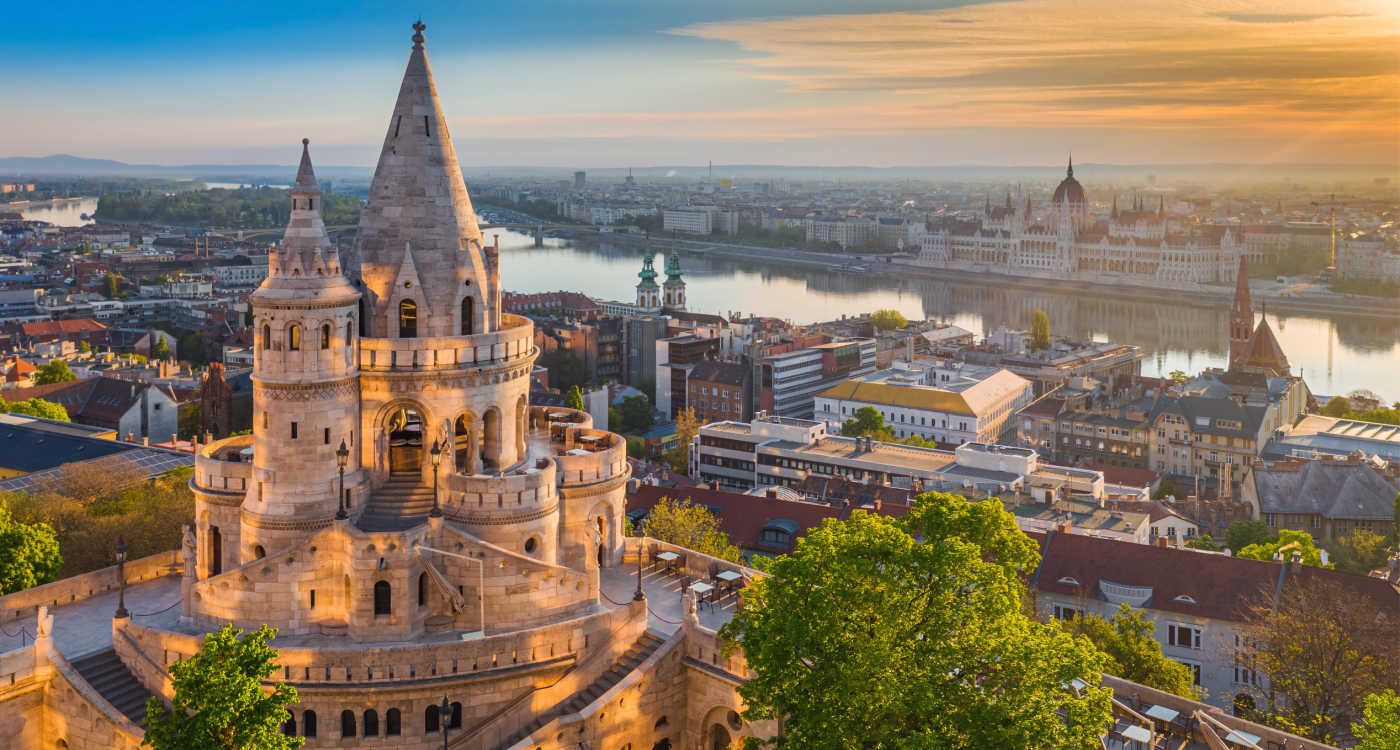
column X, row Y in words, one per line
column 785, row 384
column 949, row 404
column 846, row 231
column 700, row 220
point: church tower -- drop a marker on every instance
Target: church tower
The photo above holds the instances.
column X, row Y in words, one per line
column 1241, row 316
column 305, row 396
column 673, row 290
column 419, row 255
column 648, row 293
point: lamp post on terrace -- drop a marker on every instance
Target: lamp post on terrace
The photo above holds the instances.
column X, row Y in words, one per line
column 445, row 719
column 121, row 579
column 342, row 456
column 436, row 454
column 641, row 549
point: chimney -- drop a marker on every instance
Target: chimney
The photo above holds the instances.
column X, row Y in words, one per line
column 1296, row 564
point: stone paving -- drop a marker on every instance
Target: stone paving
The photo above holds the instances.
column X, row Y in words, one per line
column 85, row 627
column 664, row 604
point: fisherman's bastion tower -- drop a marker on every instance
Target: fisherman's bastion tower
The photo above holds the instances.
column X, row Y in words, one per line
column 417, row 532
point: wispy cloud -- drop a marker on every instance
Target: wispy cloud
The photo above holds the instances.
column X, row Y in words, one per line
column 1298, row 78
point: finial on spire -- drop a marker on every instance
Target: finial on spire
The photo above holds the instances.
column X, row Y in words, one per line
column 418, row 28
column 1069, row 172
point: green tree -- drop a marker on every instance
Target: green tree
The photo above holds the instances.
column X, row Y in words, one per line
column 1337, row 406
column 35, row 407
column 887, row 320
column 574, row 398
column 160, row 350
column 566, row 370
column 685, row 524
column 219, row 698
column 111, row 289
column 1178, row 376
column 1241, row 534
column 912, row 633
column 1204, row 542
column 1133, row 653
column 1289, row 541
column 1361, row 552
column 867, row 421
column 687, row 427
column 633, row 415
column 1040, row 330
column 84, row 347
column 1380, row 722
column 1165, row 488
column 55, row 371
column 29, row 553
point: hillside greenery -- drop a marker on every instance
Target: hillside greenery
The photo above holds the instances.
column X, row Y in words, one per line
column 247, row 208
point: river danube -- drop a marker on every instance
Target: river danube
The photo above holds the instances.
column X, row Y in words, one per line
column 1335, row 353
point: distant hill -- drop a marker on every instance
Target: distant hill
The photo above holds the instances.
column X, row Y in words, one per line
column 66, row 165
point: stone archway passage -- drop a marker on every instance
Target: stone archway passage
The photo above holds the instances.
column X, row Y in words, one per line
column 405, row 432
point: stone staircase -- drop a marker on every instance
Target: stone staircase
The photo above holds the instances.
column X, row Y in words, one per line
column 401, row 503
column 638, row 653
column 106, row 673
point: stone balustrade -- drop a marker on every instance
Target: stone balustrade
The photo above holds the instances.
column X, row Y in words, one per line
column 221, row 468
column 398, row 664
column 489, row 498
column 17, row 667
column 591, row 456
column 26, row 603
column 514, row 341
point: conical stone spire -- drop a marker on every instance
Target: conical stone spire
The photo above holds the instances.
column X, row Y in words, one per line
column 305, row 264
column 418, row 203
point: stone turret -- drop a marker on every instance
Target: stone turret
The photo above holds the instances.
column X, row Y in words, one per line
column 420, row 216
column 1241, row 316
column 305, row 365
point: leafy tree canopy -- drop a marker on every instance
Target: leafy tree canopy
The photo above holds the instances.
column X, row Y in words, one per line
column 219, row 698
column 1133, row 653
column 29, row 553
column 912, row 633
column 867, row 421
column 1380, row 722
column 574, row 398
column 887, row 320
column 683, row 523
column 54, row 371
column 1361, row 551
column 1040, row 330
column 1289, row 541
column 631, row 416
column 1241, row 534
column 35, row 407
column 687, row 427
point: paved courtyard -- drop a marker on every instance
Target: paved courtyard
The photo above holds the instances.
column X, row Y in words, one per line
column 664, row 603
column 85, row 627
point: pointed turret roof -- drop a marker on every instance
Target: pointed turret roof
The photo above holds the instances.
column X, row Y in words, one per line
column 305, row 265
column 1242, row 304
column 648, row 272
column 673, row 270
column 1264, row 353
column 419, row 199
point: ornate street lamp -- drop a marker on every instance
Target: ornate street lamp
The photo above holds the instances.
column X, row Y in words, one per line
column 342, row 456
column 445, row 719
column 121, row 579
column 641, row 549
column 436, row 454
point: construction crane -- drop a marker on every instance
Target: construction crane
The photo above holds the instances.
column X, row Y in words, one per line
column 1332, row 235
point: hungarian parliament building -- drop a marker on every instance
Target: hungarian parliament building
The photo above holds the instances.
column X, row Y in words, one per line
column 1139, row 245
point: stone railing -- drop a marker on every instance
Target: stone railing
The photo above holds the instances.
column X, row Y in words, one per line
column 514, row 341
column 691, row 563
column 219, row 467
column 588, row 456
column 487, row 498
column 17, row 668
column 387, row 664
column 77, row 588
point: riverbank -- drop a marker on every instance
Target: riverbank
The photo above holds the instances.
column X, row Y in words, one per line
column 1212, row 296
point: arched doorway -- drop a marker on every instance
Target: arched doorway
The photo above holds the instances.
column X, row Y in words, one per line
column 719, row 737
column 602, row 540
column 216, row 551
column 491, row 439
column 464, row 443
column 468, row 313
column 408, row 319
column 405, row 432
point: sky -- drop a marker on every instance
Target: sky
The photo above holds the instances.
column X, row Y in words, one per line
column 616, row 83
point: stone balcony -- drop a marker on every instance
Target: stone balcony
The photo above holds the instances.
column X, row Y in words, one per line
column 223, row 468
column 514, row 341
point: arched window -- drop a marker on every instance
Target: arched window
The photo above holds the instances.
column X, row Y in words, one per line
column 408, row 319
column 361, row 316
column 371, row 723
column 294, row 338
column 289, row 727
column 259, row 552
column 491, row 438
column 456, row 722
column 267, row 337
column 468, row 312
column 381, row 598
column 430, row 720
column 347, row 723
column 349, row 333
column 308, row 723
column 326, row 336
column 392, row 723
column 422, row 589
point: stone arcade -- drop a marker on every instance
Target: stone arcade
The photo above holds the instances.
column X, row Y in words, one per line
column 410, row 524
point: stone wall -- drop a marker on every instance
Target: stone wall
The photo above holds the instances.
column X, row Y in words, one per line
column 22, row 687
column 77, row 588
column 84, row 720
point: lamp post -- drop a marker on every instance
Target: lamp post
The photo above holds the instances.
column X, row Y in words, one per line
column 121, row 579
column 436, row 454
column 445, row 719
column 342, row 456
column 641, row 549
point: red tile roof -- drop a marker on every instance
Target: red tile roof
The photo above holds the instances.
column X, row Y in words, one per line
column 58, row 328
column 1184, row 581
